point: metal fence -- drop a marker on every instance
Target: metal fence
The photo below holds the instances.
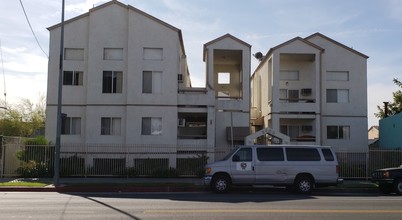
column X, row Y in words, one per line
column 18, row 159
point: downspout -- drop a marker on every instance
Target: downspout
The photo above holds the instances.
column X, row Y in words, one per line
column 321, row 101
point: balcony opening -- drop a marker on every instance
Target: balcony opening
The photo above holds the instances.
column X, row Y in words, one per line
column 192, row 126
column 228, row 74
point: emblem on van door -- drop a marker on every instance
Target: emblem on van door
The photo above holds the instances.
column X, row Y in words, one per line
column 243, row 166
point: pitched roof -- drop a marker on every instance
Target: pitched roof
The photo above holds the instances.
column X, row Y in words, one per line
column 287, row 43
column 115, row 2
column 337, row 43
column 223, row 37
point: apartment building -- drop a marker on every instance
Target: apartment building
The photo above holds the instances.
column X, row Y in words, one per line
column 126, row 82
column 313, row 90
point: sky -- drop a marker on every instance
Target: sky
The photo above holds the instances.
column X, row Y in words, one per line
column 372, row 27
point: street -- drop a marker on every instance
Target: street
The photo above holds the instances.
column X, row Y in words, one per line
column 199, row 205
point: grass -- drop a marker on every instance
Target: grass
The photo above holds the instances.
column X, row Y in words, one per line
column 25, row 184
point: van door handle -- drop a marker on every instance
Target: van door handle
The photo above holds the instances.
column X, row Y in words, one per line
column 252, row 167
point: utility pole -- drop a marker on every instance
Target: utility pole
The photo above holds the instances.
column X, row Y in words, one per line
column 59, row 98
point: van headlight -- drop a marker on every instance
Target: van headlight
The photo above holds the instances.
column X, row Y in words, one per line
column 208, row 170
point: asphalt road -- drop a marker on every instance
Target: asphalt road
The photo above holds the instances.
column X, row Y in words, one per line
column 236, row 205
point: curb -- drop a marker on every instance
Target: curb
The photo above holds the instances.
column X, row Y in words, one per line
column 65, row 189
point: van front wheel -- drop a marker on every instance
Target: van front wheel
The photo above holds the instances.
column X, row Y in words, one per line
column 303, row 185
column 221, row 183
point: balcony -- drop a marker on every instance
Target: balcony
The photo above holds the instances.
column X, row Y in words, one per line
column 298, row 105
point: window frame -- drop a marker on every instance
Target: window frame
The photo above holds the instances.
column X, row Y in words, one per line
column 109, row 53
column 112, row 128
column 68, row 128
column 77, row 78
column 153, row 128
column 152, row 82
column 337, row 96
column 115, row 86
column 338, row 132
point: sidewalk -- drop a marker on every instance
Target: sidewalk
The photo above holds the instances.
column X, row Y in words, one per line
column 156, row 185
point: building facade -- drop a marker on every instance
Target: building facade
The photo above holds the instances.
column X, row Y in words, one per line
column 126, row 82
column 313, row 90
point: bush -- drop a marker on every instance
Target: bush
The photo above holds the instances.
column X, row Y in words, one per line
column 32, row 169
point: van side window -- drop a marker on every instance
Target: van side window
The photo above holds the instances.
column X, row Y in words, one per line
column 328, row 154
column 270, row 154
column 244, row 154
column 302, row 154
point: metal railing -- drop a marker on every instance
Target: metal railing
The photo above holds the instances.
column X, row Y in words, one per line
column 154, row 160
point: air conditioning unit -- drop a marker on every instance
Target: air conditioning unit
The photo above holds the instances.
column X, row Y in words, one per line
column 306, row 92
column 182, row 122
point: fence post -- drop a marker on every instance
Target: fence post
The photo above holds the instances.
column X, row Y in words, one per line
column 367, row 164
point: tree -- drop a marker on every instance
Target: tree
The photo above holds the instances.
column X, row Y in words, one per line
column 23, row 119
column 394, row 107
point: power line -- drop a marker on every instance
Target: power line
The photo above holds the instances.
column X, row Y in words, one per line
column 30, row 26
column 4, row 75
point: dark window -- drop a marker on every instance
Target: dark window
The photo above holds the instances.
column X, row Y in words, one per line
column 244, row 154
column 338, row 132
column 270, row 154
column 112, row 82
column 65, row 125
column 302, row 154
column 73, row 78
column 328, row 154
column 147, row 82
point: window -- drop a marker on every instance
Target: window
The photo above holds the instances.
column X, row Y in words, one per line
column 153, row 54
column 223, row 78
column 337, row 95
column 328, row 156
column 112, row 82
column 113, row 53
column 270, row 154
column 244, row 154
column 151, row 126
column 180, row 77
column 338, row 132
column 152, row 82
column 110, row 126
column 74, row 54
column 73, row 78
column 71, row 125
column 293, row 95
column 289, row 75
column 290, row 130
column 302, row 154
column 283, row 95
column 337, row 76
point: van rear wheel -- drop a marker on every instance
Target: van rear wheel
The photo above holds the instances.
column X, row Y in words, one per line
column 220, row 183
column 304, row 185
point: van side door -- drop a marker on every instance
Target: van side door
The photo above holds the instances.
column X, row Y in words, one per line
column 242, row 166
column 270, row 165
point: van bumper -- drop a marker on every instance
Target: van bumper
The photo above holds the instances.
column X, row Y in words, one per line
column 207, row 180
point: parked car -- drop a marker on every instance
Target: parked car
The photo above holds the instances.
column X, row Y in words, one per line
column 299, row 168
column 389, row 180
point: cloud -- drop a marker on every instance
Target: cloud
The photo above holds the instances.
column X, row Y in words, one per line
column 83, row 7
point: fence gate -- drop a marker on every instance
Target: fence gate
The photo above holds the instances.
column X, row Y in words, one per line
column 9, row 161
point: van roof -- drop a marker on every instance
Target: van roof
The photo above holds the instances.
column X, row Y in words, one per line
column 287, row 145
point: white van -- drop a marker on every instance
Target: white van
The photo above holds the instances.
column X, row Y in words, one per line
column 299, row 168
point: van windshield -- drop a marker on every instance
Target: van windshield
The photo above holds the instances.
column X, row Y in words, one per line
column 230, row 153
